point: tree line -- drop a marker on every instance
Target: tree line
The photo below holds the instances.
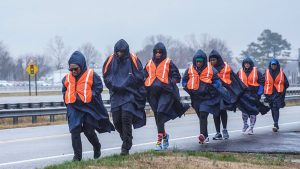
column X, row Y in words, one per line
column 269, row 44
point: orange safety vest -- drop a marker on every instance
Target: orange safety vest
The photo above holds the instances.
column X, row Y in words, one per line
column 161, row 72
column 224, row 74
column 251, row 80
column 269, row 82
column 195, row 79
column 83, row 87
column 132, row 56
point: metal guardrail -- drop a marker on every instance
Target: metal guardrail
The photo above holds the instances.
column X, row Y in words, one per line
column 16, row 110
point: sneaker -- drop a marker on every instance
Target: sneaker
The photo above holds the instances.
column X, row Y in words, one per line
column 225, row 134
column 97, row 153
column 165, row 141
column 206, row 141
column 76, row 158
column 245, row 128
column 124, row 152
column 275, row 128
column 250, row 131
column 218, row 136
column 159, row 144
column 158, row 147
column 201, row 138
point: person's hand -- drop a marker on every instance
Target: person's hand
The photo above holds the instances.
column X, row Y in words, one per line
column 216, row 84
column 260, row 90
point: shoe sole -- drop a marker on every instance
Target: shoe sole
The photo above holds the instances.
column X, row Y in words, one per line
column 217, row 138
column 201, row 139
column 275, row 130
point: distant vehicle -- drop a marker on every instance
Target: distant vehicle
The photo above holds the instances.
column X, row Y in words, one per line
column 4, row 83
column 42, row 83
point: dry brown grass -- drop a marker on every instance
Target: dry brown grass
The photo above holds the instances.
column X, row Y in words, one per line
column 7, row 123
column 177, row 160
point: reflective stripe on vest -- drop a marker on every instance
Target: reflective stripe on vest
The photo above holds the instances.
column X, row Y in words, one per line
column 161, row 72
column 251, row 80
column 224, row 74
column 195, row 79
column 269, row 82
column 83, row 87
column 132, row 56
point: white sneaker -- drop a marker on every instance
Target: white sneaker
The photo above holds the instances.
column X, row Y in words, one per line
column 250, row 131
column 206, row 141
column 245, row 127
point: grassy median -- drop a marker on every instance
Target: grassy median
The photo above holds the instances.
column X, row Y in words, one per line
column 187, row 159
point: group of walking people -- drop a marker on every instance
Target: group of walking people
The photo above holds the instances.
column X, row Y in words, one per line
column 213, row 86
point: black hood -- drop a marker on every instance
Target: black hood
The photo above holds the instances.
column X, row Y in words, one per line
column 200, row 54
column 78, row 59
column 159, row 46
column 250, row 61
column 122, row 45
column 220, row 62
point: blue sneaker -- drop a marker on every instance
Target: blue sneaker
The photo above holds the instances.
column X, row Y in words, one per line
column 159, row 144
column 166, row 141
column 158, row 147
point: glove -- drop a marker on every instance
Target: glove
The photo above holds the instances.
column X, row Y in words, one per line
column 260, row 90
column 216, row 84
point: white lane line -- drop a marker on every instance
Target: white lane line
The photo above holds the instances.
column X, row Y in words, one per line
column 136, row 145
column 148, row 126
column 34, row 138
column 68, row 134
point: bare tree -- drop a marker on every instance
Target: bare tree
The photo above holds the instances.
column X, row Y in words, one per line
column 179, row 52
column 208, row 43
column 19, row 70
column 108, row 51
column 37, row 59
column 6, row 64
column 58, row 51
column 92, row 56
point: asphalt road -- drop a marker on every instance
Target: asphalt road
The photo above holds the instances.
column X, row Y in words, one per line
column 36, row 147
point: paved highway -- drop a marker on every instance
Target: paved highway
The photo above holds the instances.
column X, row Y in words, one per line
column 36, row 147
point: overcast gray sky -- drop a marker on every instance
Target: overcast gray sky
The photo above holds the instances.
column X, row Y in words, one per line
column 27, row 26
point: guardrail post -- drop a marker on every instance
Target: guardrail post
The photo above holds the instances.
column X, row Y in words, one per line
column 52, row 118
column 15, row 120
column 34, row 119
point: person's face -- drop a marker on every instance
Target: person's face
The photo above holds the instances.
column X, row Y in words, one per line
column 199, row 64
column 247, row 65
column 273, row 66
column 158, row 54
column 75, row 69
column 121, row 53
column 213, row 61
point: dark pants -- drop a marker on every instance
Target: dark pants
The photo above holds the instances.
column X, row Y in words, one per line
column 221, row 117
column 275, row 114
column 161, row 103
column 159, row 123
column 123, row 124
column 203, row 122
column 89, row 132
